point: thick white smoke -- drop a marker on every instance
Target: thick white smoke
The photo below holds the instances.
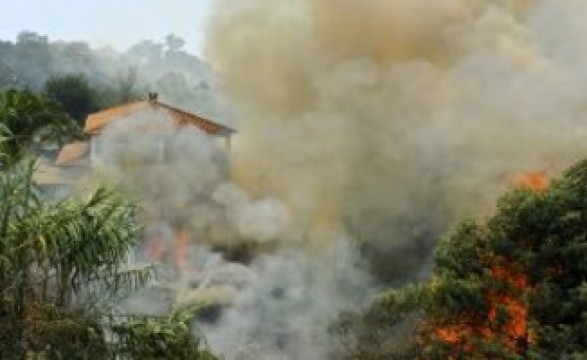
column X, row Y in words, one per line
column 261, row 220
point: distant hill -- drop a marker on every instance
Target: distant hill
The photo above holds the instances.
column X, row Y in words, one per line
column 180, row 78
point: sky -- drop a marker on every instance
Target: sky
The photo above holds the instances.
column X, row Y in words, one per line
column 118, row 23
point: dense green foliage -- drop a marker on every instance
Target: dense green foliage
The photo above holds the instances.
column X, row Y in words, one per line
column 79, row 98
column 56, row 258
column 75, row 94
column 27, row 118
column 511, row 287
column 152, row 338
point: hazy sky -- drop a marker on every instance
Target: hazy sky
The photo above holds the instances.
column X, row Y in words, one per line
column 107, row 22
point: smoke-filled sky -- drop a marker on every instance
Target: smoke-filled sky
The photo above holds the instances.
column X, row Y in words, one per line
column 107, row 22
column 395, row 118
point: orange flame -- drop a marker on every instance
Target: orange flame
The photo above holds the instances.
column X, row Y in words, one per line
column 537, row 181
column 515, row 328
column 155, row 249
column 182, row 239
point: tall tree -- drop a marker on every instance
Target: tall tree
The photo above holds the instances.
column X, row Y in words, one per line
column 8, row 79
column 174, row 43
column 75, row 95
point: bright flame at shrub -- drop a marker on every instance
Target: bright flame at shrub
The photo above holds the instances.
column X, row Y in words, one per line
column 537, row 181
column 505, row 321
column 181, row 247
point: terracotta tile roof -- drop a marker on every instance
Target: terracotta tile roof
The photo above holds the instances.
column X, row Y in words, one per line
column 70, row 153
column 95, row 122
column 183, row 118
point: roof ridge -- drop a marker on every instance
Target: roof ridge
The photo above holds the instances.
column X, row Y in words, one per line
column 133, row 102
column 96, row 121
column 191, row 114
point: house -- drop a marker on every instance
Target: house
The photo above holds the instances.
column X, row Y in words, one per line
column 150, row 119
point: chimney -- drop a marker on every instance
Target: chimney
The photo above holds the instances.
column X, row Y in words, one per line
column 153, row 96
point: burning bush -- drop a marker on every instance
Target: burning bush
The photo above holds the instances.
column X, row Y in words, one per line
column 510, row 287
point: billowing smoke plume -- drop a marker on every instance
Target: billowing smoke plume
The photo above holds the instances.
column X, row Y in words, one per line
column 391, row 119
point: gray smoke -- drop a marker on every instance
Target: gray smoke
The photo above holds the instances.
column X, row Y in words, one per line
column 278, row 303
